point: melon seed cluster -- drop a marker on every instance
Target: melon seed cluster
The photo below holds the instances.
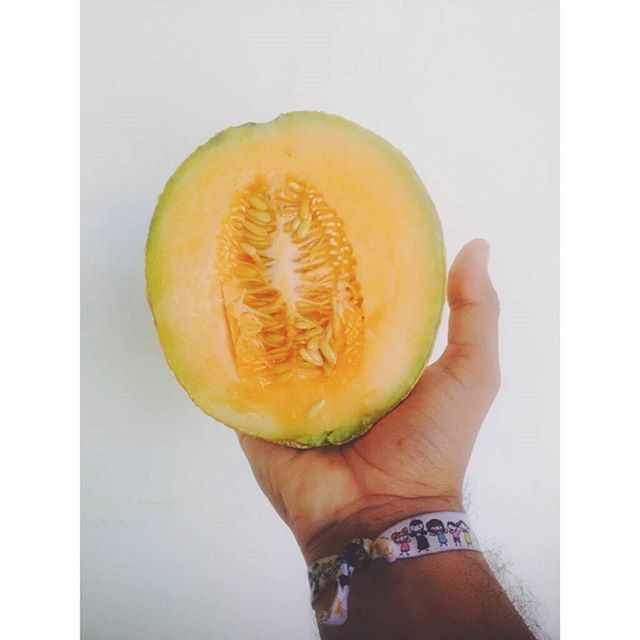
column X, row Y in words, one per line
column 288, row 278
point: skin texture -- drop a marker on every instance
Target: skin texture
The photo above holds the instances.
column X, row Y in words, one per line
column 412, row 461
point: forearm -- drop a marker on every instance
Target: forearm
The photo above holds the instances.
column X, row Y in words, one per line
column 447, row 595
column 450, row 595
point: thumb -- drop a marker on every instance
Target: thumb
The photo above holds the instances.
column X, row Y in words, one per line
column 471, row 356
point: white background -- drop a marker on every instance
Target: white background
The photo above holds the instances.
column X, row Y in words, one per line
column 178, row 543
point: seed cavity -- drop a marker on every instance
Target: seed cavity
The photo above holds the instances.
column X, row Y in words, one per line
column 288, row 278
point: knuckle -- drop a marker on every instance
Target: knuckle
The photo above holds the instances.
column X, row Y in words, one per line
column 476, row 371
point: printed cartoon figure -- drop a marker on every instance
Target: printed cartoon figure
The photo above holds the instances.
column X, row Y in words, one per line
column 455, row 531
column 416, row 530
column 403, row 539
column 466, row 532
column 435, row 527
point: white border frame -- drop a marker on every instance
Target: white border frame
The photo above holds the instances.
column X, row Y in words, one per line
column 600, row 324
column 39, row 321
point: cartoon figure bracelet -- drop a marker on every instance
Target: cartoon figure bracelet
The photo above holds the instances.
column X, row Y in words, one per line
column 414, row 537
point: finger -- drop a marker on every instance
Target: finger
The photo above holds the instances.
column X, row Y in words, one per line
column 471, row 355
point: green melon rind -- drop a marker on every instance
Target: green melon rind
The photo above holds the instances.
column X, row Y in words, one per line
column 343, row 434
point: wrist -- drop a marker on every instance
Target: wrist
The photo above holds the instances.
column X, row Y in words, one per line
column 371, row 517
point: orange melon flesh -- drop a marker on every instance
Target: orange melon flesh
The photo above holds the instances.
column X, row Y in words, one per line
column 295, row 271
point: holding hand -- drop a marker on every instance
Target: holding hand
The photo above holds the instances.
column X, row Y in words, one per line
column 414, row 459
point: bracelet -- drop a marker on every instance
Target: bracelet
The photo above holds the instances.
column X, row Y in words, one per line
column 419, row 535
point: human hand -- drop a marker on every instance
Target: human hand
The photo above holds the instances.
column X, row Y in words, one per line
column 414, row 459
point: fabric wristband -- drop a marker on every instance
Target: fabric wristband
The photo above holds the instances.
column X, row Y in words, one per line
column 419, row 535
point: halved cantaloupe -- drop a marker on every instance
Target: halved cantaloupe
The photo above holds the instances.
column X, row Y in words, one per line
column 295, row 271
